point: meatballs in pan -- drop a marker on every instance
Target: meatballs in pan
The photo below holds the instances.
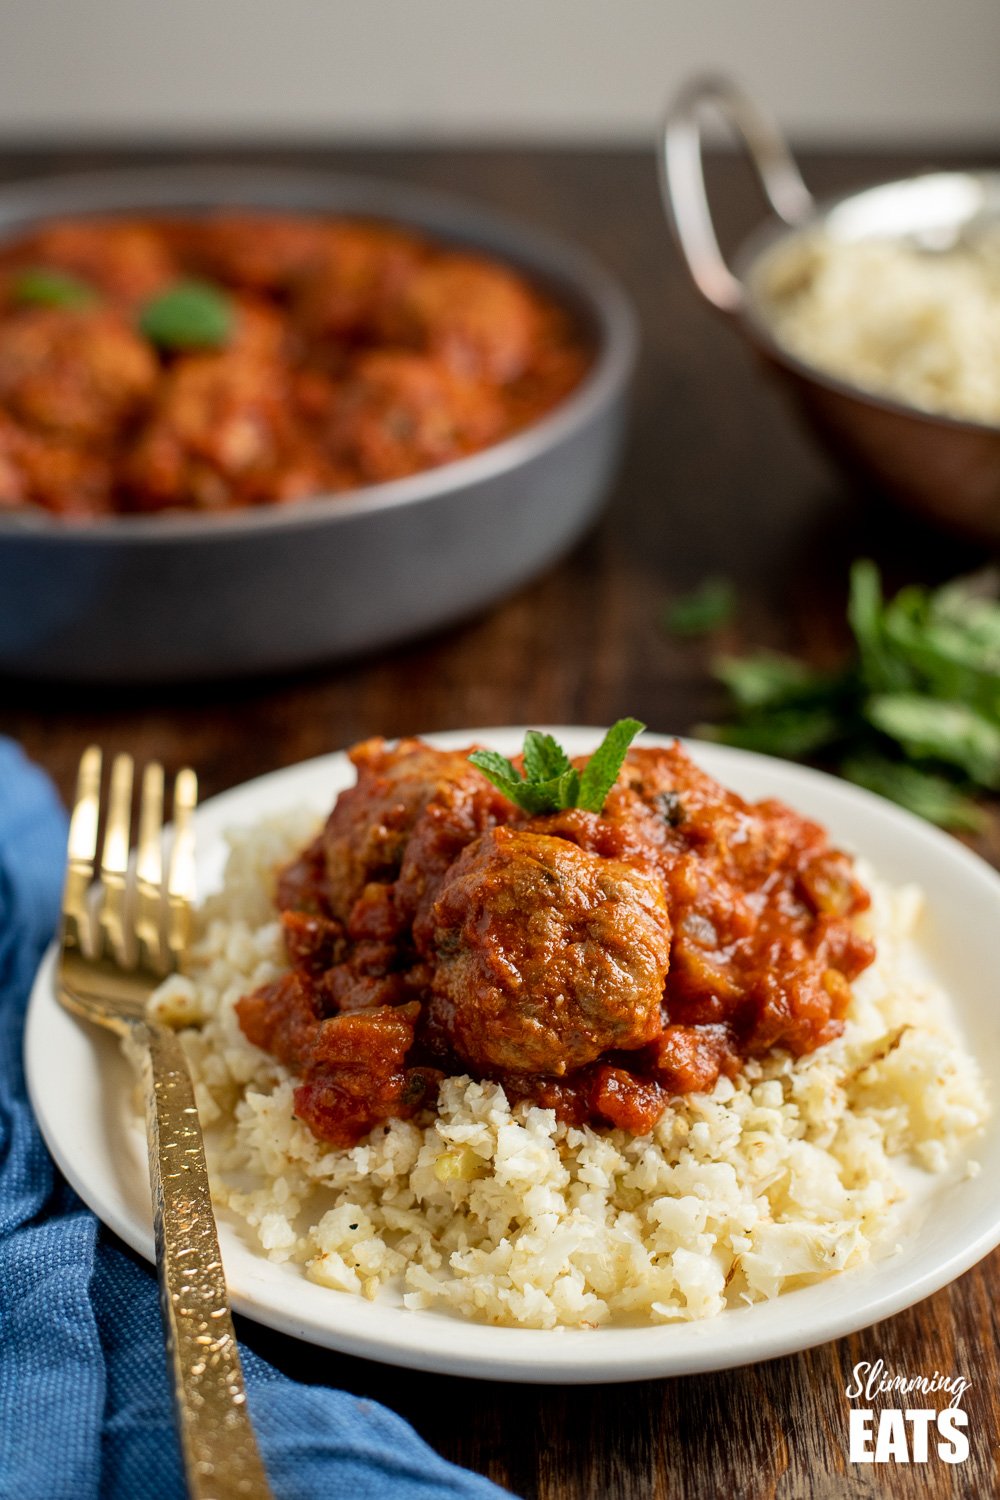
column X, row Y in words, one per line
column 252, row 359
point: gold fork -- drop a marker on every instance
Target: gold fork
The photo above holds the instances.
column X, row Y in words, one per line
column 119, row 939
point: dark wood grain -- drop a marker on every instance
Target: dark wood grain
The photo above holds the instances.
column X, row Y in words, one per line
column 717, row 480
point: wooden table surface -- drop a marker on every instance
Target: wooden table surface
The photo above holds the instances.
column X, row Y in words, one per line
column 717, row 480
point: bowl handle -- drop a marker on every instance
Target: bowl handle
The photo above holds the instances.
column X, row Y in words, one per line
column 682, row 180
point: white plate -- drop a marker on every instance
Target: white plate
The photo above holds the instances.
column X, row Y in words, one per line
column 81, row 1087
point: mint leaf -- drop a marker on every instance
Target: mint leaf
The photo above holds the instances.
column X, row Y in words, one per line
column 915, row 712
column 922, row 792
column 190, row 315
column 972, row 603
column 601, row 771
column 769, row 679
column 549, row 795
column 551, row 782
column 705, row 609
column 881, row 668
column 947, row 660
column 544, row 758
column 37, row 286
column 950, row 732
column 558, row 792
column 499, row 770
column 786, row 732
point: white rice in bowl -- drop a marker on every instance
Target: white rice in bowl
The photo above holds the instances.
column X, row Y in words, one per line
column 793, row 1171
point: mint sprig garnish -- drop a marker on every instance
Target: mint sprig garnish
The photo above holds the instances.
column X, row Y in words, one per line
column 189, row 315
column 550, row 782
column 544, row 758
column 40, row 286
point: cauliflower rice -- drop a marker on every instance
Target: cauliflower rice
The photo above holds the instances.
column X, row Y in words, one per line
column 917, row 325
column 792, row 1171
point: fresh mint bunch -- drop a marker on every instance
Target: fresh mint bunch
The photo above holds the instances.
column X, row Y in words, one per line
column 915, row 715
column 550, row 782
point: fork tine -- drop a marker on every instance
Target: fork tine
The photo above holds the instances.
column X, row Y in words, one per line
column 181, row 876
column 149, row 871
column 82, row 849
column 114, row 859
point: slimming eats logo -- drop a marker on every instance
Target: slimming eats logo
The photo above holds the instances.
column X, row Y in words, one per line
column 908, row 1432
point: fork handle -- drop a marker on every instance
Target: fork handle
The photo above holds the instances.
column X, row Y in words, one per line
column 221, row 1459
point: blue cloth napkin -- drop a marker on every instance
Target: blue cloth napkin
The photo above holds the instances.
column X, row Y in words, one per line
column 84, row 1400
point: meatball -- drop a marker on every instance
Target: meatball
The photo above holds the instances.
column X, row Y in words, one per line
column 258, row 329
column 75, row 374
column 373, row 823
column 61, row 477
column 360, row 268
column 13, row 485
column 126, row 262
column 547, row 955
column 257, row 252
column 397, row 414
column 478, row 317
column 223, row 435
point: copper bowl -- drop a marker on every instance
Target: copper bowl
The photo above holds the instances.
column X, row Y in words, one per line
column 945, row 467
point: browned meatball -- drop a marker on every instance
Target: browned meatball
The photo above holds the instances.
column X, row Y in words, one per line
column 13, row 487
column 373, row 822
column 61, row 477
column 361, row 269
column 76, row 374
column 478, row 317
column 397, row 414
column 125, row 261
column 258, row 252
column 259, row 330
column 223, row 435
column 547, row 955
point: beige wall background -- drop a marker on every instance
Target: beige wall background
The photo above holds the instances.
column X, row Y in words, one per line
column 846, row 70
